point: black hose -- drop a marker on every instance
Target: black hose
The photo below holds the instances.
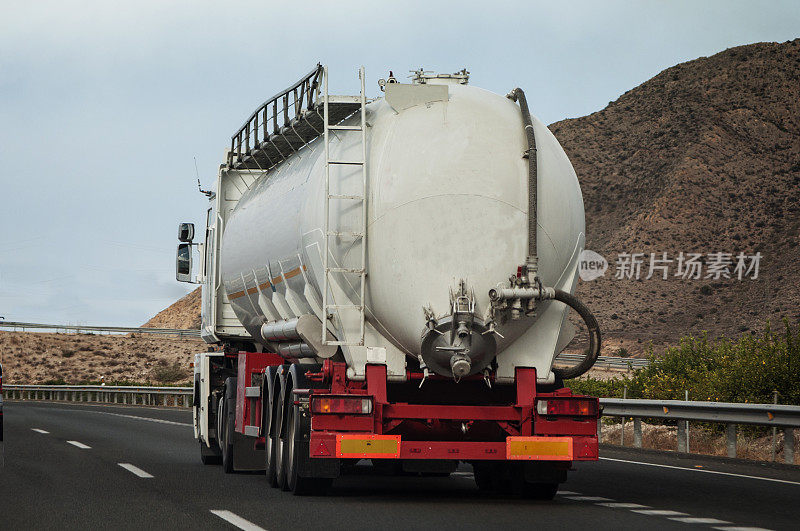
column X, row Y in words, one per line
column 518, row 95
column 594, row 336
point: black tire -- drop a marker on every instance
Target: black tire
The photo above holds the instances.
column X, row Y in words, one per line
column 300, row 486
column 227, row 421
column 270, row 442
column 210, row 456
column 280, row 441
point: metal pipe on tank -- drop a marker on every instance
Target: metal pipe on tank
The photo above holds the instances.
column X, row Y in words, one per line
column 295, row 350
column 285, row 330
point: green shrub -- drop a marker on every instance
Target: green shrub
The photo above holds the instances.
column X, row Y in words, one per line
column 748, row 369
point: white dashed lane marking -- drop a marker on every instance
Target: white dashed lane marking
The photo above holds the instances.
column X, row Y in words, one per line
column 135, row 470
column 659, row 512
column 693, row 520
column 79, row 445
column 622, row 505
column 676, row 516
column 237, row 520
column 37, row 430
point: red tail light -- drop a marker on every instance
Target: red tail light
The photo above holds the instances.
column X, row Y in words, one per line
column 351, row 405
column 567, row 407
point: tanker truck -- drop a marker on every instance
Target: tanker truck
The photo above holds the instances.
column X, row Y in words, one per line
column 389, row 279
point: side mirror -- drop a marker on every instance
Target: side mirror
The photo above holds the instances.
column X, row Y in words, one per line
column 183, row 263
column 186, row 232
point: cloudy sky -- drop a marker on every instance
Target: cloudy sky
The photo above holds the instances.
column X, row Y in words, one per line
column 104, row 105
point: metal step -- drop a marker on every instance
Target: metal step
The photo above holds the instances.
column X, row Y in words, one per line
column 345, row 270
column 338, row 196
column 344, row 233
column 347, row 162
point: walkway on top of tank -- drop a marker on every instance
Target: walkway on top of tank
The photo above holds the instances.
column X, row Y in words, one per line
column 287, row 122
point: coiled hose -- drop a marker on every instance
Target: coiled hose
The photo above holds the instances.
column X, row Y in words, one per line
column 594, row 336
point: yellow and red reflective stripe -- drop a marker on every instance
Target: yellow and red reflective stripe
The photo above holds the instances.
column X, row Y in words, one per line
column 367, row 446
column 293, row 273
column 539, row 448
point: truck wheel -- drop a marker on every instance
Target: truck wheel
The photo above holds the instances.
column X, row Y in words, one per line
column 210, row 456
column 300, row 486
column 280, row 439
column 226, row 435
column 270, row 466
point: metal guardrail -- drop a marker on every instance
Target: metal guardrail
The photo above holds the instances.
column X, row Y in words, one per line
column 108, row 394
column 606, row 362
column 18, row 325
column 728, row 413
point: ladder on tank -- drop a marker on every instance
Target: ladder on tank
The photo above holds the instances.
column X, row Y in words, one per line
column 360, row 232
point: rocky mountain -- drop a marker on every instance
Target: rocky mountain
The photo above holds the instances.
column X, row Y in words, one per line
column 703, row 158
column 185, row 313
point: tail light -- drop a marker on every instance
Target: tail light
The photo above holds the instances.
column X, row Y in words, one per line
column 567, row 407
column 351, row 405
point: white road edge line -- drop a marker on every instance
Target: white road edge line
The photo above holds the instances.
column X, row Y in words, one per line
column 236, row 520
column 135, row 470
column 160, row 421
column 37, row 430
column 79, row 445
column 702, row 470
column 735, row 528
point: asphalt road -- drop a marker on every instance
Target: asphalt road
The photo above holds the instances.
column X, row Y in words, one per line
column 71, row 477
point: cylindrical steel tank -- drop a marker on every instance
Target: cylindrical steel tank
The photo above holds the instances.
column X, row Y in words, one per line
column 446, row 216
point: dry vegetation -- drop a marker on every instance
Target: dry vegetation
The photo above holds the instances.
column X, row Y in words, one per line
column 756, row 445
column 30, row 358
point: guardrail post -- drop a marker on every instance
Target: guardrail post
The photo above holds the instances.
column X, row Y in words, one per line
column 637, row 432
column 682, row 436
column 788, row 445
column 730, row 439
column 164, row 400
column 599, row 430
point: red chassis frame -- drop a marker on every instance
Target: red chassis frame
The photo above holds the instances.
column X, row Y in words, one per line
column 528, row 435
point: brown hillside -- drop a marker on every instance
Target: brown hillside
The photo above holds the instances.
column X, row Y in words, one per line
column 30, row 358
column 704, row 157
column 185, row 313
